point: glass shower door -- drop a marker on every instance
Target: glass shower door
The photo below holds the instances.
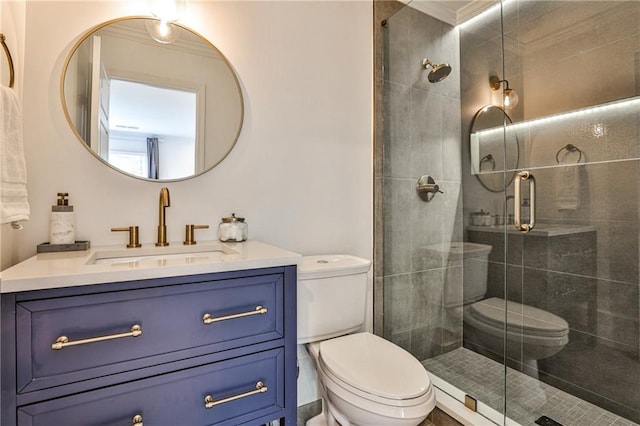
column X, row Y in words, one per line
column 572, row 292
column 431, row 270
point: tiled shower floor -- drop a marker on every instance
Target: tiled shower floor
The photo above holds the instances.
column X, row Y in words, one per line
column 527, row 398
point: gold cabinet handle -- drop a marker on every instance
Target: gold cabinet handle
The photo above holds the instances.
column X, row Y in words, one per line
column 210, row 403
column 63, row 341
column 136, row 420
column 209, row 319
column 517, row 220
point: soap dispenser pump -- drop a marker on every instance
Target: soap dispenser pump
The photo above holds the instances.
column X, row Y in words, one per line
column 62, row 224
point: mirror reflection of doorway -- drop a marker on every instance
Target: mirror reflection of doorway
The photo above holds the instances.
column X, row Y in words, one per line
column 138, row 111
column 124, row 50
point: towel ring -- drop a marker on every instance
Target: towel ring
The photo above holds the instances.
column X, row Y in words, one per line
column 9, row 60
column 569, row 148
column 488, row 159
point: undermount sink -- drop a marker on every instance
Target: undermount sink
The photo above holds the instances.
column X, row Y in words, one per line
column 163, row 255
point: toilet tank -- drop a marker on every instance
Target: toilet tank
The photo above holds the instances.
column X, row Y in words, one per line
column 475, row 265
column 466, row 273
column 332, row 295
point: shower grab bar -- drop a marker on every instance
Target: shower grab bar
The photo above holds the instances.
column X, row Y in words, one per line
column 517, row 221
column 9, row 60
column 569, row 148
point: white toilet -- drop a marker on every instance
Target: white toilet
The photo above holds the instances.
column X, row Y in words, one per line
column 365, row 380
column 531, row 333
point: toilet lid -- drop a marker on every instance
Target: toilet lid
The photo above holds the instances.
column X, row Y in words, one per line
column 374, row 365
column 519, row 317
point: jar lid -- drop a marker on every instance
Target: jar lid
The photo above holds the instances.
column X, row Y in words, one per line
column 232, row 218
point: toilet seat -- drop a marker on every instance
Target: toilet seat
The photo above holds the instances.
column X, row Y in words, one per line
column 353, row 359
column 528, row 323
column 394, row 413
column 364, row 370
column 373, row 368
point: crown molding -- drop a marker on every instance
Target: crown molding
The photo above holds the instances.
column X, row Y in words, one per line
column 452, row 12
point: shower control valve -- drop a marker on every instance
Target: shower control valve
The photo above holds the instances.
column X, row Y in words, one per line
column 427, row 188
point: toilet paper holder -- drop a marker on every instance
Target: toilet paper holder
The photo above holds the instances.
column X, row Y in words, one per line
column 427, row 188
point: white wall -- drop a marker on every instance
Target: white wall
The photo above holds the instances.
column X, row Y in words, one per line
column 12, row 25
column 301, row 172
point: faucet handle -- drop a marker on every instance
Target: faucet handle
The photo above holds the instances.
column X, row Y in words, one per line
column 189, row 240
column 133, row 235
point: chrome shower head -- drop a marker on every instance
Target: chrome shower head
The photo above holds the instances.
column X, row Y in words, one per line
column 438, row 71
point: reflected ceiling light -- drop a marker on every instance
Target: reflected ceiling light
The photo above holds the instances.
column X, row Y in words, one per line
column 509, row 96
column 167, row 11
column 162, row 31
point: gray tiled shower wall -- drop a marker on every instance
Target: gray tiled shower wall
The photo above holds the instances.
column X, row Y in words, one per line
column 591, row 279
column 548, row 60
column 543, row 62
column 420, row 127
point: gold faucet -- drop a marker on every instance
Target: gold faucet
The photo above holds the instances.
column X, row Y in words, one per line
column 162, row 227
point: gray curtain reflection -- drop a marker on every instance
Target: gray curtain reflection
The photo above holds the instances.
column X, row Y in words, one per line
column 153, row 158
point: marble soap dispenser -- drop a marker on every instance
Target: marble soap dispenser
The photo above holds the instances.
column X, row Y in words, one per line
column 62, row 223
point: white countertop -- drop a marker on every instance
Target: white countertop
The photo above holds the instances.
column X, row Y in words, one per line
column 76, row 268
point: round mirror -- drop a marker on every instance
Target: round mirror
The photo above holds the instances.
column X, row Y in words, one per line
column 152, row 100
column 494, row 148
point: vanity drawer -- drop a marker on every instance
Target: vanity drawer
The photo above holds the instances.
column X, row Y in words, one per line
column 175, row 399
column 99, row 328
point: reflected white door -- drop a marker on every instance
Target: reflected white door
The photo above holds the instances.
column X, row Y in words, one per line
column 100, row 89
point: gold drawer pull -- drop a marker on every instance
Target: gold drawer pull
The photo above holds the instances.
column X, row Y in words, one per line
column 210, row 403
column 63, row 341
column 136, row 420
column 208, row 319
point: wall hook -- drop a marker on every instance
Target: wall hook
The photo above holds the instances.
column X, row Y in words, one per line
column 427, row 188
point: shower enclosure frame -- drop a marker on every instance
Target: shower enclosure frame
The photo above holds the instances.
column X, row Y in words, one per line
column 601, row 298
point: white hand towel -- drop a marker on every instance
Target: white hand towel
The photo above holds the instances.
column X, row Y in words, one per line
column 567, row 188
column 14, row 205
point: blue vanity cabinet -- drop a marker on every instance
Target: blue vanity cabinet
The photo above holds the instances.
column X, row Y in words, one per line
column 168, row 320
column 173, row 399
column 211, row 349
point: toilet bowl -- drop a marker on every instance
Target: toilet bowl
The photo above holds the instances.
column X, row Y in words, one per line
column 531, row 333
column 365, row 379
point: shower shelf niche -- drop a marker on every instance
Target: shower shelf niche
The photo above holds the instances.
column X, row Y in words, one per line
column 605, row 132
column 541, row 229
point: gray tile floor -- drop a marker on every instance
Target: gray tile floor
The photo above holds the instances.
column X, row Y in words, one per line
column 527, row 398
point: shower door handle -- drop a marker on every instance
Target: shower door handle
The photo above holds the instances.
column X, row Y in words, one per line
column 517, row 202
